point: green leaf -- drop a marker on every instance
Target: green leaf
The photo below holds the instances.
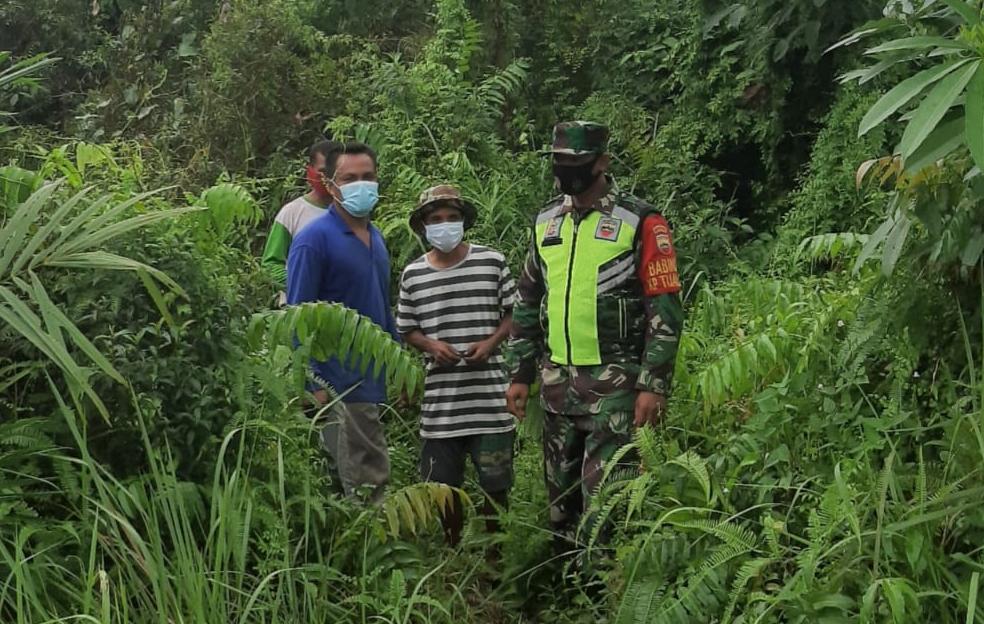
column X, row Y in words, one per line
column 895, row 601
column 766, row 345
column 866, row 74
column 975, row 117
column 23, row 68
column 13, row 235
column 392, row 520
column 51, row 311
column 341, row 332
column 91, row 238
column 902, row 93
column 914, row 541
column 878, row 237
column 975, row 580
column 87, row 154
column 187, row 46
column 972, row 252
column 895, row 243
column 919, row 43
column 867, row 30
column 944, row 139
column 25, row 322
column 113, row 262
column 934, row 107
column 28, row 252
column 968, row 13
column 158, row 298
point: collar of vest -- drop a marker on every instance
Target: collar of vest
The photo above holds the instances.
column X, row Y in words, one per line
column 604, row 204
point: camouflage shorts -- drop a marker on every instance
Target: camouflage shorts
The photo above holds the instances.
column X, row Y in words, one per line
column 443, row 460
column 576, row 450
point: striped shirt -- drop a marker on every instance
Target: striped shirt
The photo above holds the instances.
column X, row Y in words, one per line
column 460, row 305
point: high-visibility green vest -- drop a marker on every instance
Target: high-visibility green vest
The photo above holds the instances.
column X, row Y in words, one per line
column 587, row 266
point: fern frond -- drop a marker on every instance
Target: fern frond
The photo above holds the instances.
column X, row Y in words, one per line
column 602, row 505
column 418, row 505
column 650, row 445
column 697, row 469
column 495, row 90
column 922, row 488
column 727, row 532
column 639, row 491
column 772, row 529
column 230, row 204
column 704, row 593
column 640, row 600
column 739, row 370
column 832, row 245
column 615, row 463
column 332, row 330
column 748, row 571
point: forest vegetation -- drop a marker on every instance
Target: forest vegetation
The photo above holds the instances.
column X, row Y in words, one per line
column 820, row 161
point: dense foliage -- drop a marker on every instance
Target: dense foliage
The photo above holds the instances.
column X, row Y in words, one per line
column 820, row 163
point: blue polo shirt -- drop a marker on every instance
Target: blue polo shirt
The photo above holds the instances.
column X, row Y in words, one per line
column 328, row 262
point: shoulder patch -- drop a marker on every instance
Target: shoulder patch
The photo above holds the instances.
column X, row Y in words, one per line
column 658, row 266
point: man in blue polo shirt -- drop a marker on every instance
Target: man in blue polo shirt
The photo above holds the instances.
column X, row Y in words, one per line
column 340, row 257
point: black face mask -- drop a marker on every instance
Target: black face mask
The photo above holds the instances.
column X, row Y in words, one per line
column 575, row 179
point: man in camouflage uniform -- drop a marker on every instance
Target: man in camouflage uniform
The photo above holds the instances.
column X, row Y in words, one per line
column 599, row 312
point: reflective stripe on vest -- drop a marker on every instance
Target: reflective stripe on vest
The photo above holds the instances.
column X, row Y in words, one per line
column 572, row 257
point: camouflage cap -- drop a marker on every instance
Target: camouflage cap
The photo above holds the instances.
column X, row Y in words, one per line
column 579, row 137
column 430, row 199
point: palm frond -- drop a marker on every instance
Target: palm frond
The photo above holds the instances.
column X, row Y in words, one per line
column 331, row 330
column 24, row 70
column 35, row 239
column 418, row 505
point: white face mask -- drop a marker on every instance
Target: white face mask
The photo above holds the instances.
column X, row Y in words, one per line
column 445, row 236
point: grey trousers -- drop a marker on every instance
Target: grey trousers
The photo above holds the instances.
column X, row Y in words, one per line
column 354, row 437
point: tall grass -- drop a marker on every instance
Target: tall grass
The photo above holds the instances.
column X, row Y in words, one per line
column 246, row 548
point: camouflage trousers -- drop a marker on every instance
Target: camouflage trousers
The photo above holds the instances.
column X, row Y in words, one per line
column 576, row 452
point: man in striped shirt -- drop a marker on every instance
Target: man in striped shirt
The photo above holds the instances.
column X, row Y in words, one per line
column 456, row 306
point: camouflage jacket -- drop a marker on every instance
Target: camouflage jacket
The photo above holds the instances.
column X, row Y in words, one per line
column 636, row 313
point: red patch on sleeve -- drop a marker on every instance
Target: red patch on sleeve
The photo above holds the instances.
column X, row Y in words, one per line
column 658, row 266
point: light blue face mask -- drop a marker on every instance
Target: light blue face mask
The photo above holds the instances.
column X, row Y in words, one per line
column 445, row 236
column 359, row 198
